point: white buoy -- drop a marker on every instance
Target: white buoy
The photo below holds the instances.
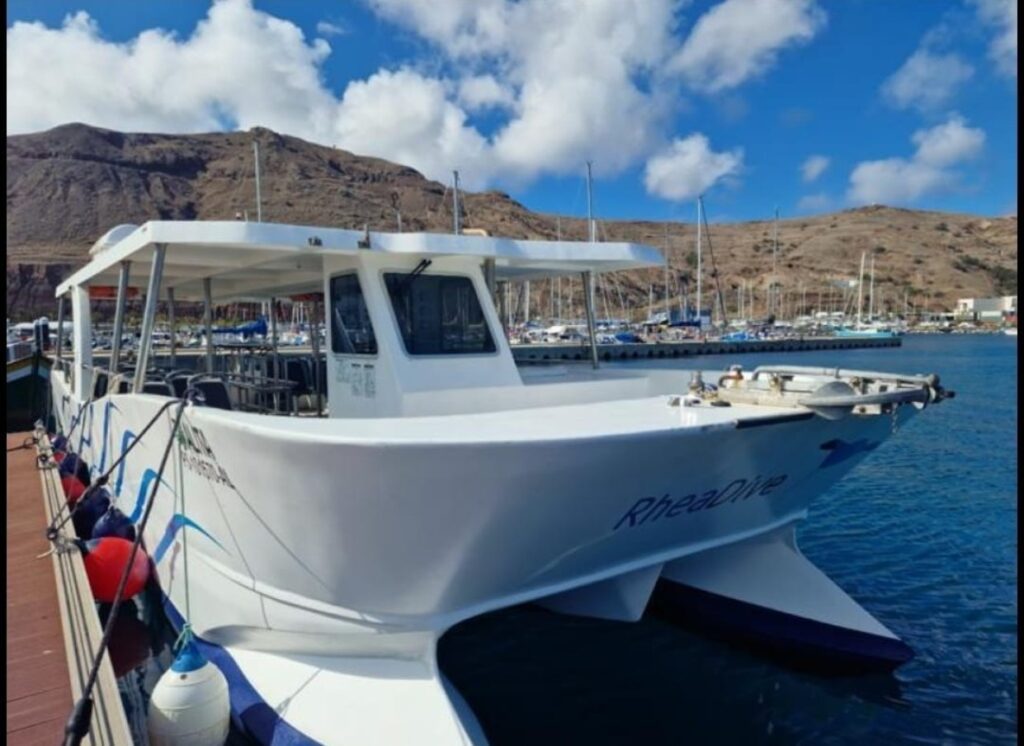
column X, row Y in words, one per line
column 190, row 704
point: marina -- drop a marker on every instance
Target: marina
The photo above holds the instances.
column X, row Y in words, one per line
column 521, row 372
column 536, row 353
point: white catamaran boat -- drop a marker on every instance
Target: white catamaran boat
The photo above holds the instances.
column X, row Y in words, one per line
column 320, row 558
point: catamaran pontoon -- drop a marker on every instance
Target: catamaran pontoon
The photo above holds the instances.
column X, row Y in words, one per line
column 327, row 555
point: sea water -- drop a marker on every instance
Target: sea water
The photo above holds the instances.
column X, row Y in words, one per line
column 923, row 533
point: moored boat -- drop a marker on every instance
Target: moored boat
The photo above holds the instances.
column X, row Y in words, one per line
column 320, row 555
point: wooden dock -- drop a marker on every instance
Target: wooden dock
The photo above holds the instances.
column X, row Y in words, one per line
column 539, row 353
column 52, row 625
column 38, row 683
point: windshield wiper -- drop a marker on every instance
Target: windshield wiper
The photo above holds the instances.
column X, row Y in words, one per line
column 417, row 271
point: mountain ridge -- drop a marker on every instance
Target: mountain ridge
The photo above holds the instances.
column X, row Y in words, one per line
column 69, row 185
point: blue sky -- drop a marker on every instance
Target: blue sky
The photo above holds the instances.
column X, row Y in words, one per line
column 805, row 105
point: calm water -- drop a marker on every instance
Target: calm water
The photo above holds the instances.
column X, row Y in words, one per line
column 922, row 534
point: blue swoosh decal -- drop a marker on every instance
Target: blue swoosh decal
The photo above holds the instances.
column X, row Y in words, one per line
column 125, row 440
column 176, row 524
column 82, row 440
column 106, row 429
column 148, row 478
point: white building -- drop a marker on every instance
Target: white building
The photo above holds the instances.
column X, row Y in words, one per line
column 986, row 309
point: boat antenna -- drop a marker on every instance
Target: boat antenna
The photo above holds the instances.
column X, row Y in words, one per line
column 714, row 268
column 455, row 205
column 259, row 201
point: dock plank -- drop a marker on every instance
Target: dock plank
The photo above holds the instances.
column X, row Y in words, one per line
column 38, row 683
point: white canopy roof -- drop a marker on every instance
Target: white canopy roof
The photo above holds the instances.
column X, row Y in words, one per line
column 259, row 260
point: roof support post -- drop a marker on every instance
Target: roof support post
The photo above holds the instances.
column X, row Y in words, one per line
column 149, row 316
column 60, row 332
column 208, row 321
column 314, row 336
column 122, row 299
column 81, row 335
column 170, row 322
column 490, row 274
column 273, row 351
column 588, row 297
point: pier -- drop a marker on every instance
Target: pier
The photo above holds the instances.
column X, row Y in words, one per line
column 52, row 625
column 538, row 353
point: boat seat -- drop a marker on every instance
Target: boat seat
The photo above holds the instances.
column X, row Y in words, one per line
column 178, row 379
column 297, row 369
column 214, row 391
column 158, row 387
column 322, row 383
column 100, row 382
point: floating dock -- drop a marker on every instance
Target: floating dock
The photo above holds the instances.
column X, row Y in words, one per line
column 52, row 626
column 539, row 353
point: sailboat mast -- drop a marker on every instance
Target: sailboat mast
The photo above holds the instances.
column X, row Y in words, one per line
column 588, row 276
column 456, row 218
column 860, row 289
column 259, row 201
column 871, row 293
column 699, row 296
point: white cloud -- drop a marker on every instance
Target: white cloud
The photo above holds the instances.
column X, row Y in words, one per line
column 688, row 167
column 949, row 143
column 930, row 169
column 929, row 79
column 926, row 81
column 430, row 133
column 246, row 65
column 740, row 39
column 569, row 81
column 1001, row 14
column 330, row 28
column 478, row 92
column 814, row 202
column 814, row 167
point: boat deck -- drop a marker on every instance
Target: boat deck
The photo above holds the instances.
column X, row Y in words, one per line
column 38, row 683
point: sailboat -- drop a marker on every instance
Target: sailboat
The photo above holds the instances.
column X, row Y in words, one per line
column 872, row 329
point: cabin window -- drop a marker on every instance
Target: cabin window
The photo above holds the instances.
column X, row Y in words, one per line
column 438, row 314
column 351, row 330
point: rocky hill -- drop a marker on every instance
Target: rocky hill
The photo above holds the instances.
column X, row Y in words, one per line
column 67, row 186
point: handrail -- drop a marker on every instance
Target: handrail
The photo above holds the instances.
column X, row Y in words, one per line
column 807, row 370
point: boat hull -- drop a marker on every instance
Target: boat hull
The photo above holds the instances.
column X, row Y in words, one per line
column 415, row 536
column 349, row 558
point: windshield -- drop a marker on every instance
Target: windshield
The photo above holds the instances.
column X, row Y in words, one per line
column 439, row 315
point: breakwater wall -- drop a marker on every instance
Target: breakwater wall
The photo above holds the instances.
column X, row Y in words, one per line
column 541, row 353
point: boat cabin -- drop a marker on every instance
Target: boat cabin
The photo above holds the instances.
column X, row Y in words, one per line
column 411, row 324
